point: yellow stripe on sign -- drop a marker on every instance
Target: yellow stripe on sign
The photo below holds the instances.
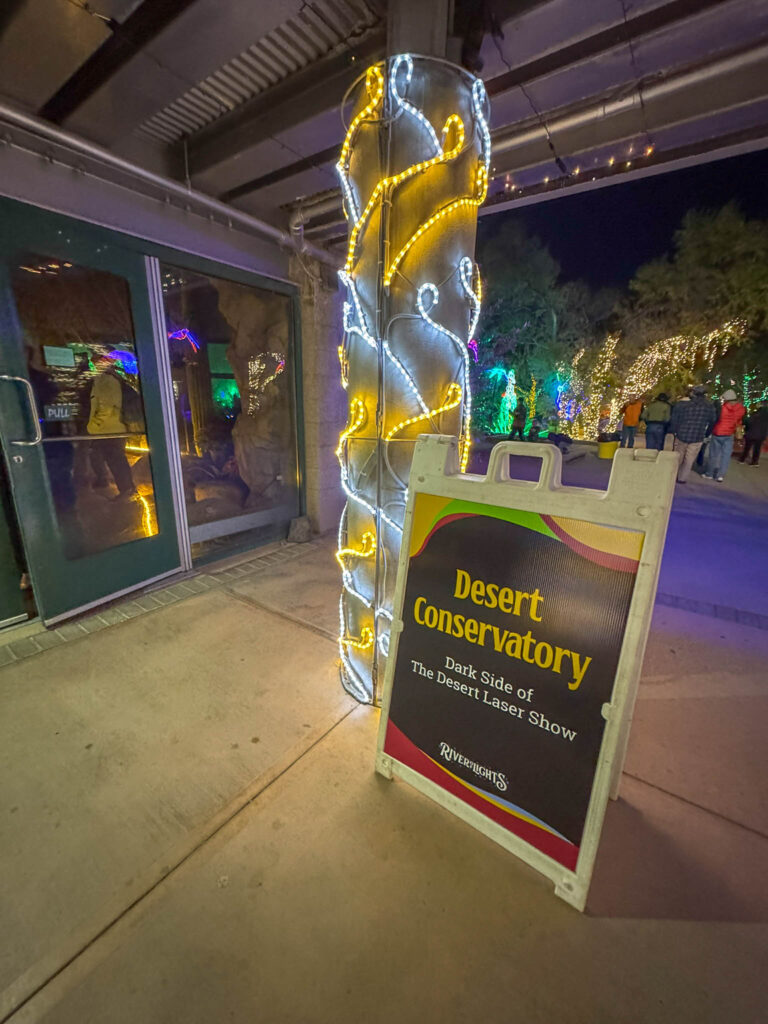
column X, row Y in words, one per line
column 496, row 803
column 611, row 540
column 426, row 512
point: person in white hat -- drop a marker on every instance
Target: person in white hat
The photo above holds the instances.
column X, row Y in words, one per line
column 721, row 441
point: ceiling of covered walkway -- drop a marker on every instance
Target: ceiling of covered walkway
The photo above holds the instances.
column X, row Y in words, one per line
column 242, row 101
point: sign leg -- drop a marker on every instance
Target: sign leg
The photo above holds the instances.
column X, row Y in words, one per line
column 384, row 765
column 573, row 892
column 621, row 756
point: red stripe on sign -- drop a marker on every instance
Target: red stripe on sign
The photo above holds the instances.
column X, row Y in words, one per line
column 398, row 746
column 439, row 524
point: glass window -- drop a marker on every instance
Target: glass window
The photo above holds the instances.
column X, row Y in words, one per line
column 231, row 353
column 81, row 360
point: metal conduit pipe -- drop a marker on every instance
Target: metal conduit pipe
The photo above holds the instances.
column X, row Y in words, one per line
column 654, row 91
column 304, row 211
column 82, row 147
column 331, row 225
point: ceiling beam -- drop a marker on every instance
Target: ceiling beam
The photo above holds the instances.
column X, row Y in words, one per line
column 585, row 49
column 735, row 80
column 128, row 38
column 600, row 43
column 325, row 156
column 307, row 93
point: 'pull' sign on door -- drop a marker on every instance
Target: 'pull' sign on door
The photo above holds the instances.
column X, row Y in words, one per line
column 522, row 613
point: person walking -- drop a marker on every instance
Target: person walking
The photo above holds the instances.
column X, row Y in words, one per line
column 657, row 416
column 518, row 421
column 755, row 433
column 691, row 422
column 721, row 441
column 631, row 414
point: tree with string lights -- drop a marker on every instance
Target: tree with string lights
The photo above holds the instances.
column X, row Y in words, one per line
column 532, row 324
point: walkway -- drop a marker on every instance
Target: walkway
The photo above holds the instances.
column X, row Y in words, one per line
column 192, row 831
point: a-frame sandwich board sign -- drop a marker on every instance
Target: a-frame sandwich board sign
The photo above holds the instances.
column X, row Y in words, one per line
column 520, row 620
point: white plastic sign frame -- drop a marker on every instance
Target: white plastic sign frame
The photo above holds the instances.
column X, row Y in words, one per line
column 638, row 498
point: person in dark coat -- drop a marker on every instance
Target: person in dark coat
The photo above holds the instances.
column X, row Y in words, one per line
column 692, row 420
column 755, row 433
column 518, row 421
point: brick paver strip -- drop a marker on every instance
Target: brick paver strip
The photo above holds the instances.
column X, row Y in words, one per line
column 714, row 611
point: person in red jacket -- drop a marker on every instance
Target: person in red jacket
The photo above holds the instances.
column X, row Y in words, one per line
column 721, row 441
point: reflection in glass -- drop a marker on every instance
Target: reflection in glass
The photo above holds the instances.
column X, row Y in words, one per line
column 82, row 363
column 232, row 369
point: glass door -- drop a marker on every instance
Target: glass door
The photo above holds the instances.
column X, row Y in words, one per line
column 80, row 413
column 233, row 363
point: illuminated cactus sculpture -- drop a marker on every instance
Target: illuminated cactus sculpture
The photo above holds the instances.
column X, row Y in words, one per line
column 413, row 170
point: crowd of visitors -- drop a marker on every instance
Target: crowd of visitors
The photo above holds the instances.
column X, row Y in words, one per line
column 703, row 430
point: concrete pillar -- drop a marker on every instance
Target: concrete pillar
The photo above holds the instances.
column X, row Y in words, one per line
column 413, row 169
column 324, row 401
column 418, row 26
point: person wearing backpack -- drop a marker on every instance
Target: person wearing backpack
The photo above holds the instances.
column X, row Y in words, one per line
column 106, row 418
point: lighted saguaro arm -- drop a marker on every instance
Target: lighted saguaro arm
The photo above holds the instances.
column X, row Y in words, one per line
column 413, row 170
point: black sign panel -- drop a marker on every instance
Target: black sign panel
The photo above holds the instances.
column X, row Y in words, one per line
column 513, row 626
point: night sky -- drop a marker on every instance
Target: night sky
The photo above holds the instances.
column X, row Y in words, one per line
column 603, row 236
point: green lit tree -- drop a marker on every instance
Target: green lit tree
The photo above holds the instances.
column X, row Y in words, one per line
column 532, row 324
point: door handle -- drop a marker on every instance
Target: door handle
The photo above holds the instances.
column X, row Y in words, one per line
column 32, row 409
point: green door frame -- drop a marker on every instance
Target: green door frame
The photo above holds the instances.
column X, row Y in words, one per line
column 12, row 608
column 21, row 220
column 62, row 586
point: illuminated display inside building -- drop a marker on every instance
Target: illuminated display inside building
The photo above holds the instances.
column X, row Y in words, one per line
column 413, row 169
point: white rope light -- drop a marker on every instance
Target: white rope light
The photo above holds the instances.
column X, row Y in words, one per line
column 401, row 376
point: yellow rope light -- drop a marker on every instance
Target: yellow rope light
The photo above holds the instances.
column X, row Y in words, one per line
column 344, row 361
column 454, row 121
column 452, row 399
column 146, row 519
column 357, row 418
column 360, row 538
column 374, row 84
column 361, row 643
column 366, row 550
column 481, row 190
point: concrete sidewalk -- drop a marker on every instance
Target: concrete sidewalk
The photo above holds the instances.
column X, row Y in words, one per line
column 192, row 830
